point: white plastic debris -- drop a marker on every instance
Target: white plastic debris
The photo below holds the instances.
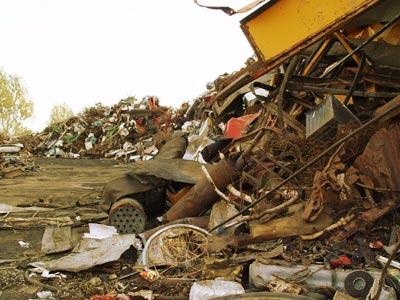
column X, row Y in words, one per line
column 23, row 244
column 145, row 294
column 100, row 231
column 73, row 155
column 196, row 145
column 190, row 126
column 45, row 295
column 88, row 145
column 90, row 141
column 13, row 148
column 46, row 274
column 151, row 150
column 127, row 146
column 209, row 289
column 134, row 157
column 122, row 131
column 149, row 153
column 90, row 253
column 55, row 152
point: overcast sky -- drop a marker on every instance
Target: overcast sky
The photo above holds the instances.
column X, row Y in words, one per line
column 86, row 51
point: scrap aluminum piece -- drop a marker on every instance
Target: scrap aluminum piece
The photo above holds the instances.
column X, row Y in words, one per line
column 260, row 274
column 326, row 115
column 127, row 216
column 11, row 148
column 383, row 260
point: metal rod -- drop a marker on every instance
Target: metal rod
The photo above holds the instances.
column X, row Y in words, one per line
column 241, row 160
column 289, row 71
column 342, row 40
column 317, row 89
column 344, row 59
column 355, row 80
column 317, row 54
column 310, row 163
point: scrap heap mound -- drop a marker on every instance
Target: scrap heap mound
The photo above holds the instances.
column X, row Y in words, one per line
column 15, row 160
column 124, row 130
column 285, row 179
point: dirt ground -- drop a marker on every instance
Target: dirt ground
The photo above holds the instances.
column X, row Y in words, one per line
column 62, row 180
column 70, row 186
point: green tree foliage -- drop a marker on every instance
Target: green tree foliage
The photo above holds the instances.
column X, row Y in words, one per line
column 15, row 107
column 60, row 113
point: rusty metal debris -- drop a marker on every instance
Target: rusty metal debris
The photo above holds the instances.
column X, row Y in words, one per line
column 123, row 131
column 15, row 161
column 203, row 194
column 181, row 247
column 289, row 166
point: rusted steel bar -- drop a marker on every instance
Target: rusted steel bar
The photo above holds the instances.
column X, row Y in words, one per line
column 274, row 161
column 391, row 103
column 310, row 163
column 355, row 80
column 316, row 56
column 282, row 88
column 202, row 195
column 364, row 219
column 367, row 41
column 386, row 81
column 246, row 153
column 342, row 40
column 324, row 90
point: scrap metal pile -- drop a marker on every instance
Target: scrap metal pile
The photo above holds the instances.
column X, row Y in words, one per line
column 282, row 181
column 124, row 130
column 14, row 160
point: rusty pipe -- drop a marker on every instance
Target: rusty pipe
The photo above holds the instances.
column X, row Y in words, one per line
column 202, row 195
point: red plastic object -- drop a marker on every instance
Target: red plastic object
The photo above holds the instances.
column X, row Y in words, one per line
column 236, row 127
column 341, row 261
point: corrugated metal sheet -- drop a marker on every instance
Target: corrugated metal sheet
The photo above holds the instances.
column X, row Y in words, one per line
column 326, row 116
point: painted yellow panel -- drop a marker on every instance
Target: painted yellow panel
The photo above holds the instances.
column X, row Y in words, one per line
column 286, row 24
